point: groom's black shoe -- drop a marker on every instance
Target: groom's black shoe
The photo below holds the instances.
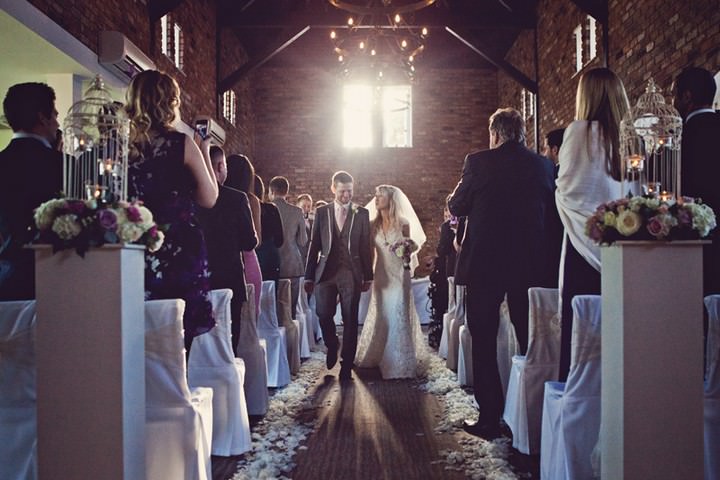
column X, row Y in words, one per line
column 482, row 430
column 331, row 356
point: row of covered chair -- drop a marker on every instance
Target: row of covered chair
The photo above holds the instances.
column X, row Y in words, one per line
column 561, row 421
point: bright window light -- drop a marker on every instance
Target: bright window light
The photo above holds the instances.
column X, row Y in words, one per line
column 164, row 35
column 397, row 116
column 578, row 48
column 357, row 116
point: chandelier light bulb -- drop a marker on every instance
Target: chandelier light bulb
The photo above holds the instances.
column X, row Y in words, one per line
column 372, row 52
column 380, row 74
column 333, row 35
column 424, row 31
column 397, row 18
column 411, row 58
column 362, row 45
column 403, row 43
column 350, row 21
column 340, row 58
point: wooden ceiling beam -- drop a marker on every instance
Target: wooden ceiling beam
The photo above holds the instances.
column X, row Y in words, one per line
column 597, row 8
column 159, row 8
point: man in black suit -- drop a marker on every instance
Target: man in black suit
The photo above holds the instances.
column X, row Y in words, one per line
column 504, row 192
column 229, row 231
column 694, row 90
column 31, row 173
column 554, row 229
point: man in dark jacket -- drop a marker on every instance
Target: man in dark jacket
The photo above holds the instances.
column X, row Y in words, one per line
column 30, row 174
column 504, row 192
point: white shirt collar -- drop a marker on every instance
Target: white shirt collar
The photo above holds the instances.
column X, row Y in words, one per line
column 37, row 137
column 698, row 112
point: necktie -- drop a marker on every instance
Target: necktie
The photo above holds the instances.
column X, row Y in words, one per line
column 341, row 219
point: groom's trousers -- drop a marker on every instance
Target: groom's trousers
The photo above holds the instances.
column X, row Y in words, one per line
column 342, row 285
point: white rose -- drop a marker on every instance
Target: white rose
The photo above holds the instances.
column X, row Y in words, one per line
column 155, row 246
column 147, row 217
column 66, row 226
column 628, row 222
column 130, row 232
column 45, row 213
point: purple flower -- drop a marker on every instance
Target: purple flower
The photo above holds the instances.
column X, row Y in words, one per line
column 107, row 219
column 595, row 233
column 657, row 228
column 76, row 206
column 133, row 214
column 684, row 217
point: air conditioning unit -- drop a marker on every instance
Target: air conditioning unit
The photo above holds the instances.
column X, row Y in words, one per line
column 122, row 56
column 205, row 126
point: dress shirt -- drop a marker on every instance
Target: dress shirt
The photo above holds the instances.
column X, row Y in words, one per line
column 341, row 214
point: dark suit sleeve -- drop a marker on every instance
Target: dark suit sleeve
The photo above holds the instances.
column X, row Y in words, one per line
column 247, row 235
column 314, row 248
column 279, row 236
column 460, row 201
column 366, row 252
column 447, row 236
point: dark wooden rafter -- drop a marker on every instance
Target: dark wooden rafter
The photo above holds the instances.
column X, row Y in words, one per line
column 159, row 8
column 597, row 8
column 285, row 39
column 500, row 63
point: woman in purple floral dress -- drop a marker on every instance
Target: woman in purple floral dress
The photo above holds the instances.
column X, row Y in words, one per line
column 171, row 176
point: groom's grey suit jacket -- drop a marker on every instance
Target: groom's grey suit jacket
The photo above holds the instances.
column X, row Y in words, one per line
column 359, row 243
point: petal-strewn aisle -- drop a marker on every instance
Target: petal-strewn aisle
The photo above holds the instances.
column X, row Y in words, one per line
column 318, row 428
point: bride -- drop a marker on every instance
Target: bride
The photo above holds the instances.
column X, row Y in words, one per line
column 391, row 337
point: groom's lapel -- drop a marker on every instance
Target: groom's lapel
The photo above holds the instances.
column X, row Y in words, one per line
column 330, row 224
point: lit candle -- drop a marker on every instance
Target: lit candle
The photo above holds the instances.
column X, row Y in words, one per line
column 665, row 196
column 635, row 162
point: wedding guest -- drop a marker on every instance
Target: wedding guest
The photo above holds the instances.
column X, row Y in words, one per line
column 504, row 192
column 694, row 91
column 554, row 228
column 589, row 175
column 305, row 203
column 228, row 232
column 292, row 264
column 268, row 252
column 31, row 173
column 241, row 176
column 172, row 175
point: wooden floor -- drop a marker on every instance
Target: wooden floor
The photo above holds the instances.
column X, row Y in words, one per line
column 370, row 428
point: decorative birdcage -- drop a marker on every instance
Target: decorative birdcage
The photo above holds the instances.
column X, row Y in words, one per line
column 95, row 139
column 650, row 137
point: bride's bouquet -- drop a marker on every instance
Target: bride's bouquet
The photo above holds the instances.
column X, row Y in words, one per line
column 403, row 249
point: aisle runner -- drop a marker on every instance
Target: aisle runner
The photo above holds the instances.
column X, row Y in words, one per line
column 279, row 433
column 479, row 459
column 277, row 437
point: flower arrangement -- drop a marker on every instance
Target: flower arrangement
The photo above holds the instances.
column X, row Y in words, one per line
column 649, row 218
column 78, row 224
column 403, row 249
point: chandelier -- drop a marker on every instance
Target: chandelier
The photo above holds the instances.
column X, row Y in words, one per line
column 380, row 41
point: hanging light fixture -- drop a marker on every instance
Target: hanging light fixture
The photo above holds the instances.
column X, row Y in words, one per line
column 380, row 41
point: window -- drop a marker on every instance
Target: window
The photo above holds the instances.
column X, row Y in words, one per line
column 377, row 116
column 585, row 43
column 172, row 41
column 229, row 103
column 527, row 104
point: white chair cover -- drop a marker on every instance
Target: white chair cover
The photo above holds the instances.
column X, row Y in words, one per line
column 292, row 327
column 315, row 320
column 507, row 346
column 18, row 409
column 712, row 390
column 302, row 322
column 310, row 319
column 571, row 415
column 178, row 422
column 420, row 293
column 254, row 355
column 465, row 368
column 213, row 364
column 524, row 401
column 278, row 368
column 453, row 341
column 447, row 319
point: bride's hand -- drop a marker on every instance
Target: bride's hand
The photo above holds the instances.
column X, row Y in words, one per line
column 366, row 286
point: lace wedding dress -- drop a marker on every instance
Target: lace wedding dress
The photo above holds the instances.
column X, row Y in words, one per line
column 391, row 337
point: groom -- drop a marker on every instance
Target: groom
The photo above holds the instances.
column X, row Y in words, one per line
column 340, row 264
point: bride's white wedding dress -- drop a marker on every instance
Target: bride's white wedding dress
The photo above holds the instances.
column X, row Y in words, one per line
column 391, row 336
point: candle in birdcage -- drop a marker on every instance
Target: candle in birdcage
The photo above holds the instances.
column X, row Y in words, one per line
column 665, row 196
column 635, row 162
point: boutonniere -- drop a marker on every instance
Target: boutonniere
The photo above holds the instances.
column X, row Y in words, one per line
column 353, row 208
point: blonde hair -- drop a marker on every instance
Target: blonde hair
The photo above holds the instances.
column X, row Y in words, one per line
column 389, row 192
column 601, row 98
column 152, row 101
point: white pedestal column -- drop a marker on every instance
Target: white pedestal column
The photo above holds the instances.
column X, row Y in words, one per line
column 91, row 363
column 652, row 361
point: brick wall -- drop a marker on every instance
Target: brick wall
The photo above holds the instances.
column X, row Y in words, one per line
column 298, row 134
column 85, row 19
column 646, row 38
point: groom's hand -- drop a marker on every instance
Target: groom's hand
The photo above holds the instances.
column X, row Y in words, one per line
column 309, row 286
column 366, row 286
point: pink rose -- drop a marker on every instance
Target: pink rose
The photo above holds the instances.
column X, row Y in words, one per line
column 133, row 214
column 657, row 227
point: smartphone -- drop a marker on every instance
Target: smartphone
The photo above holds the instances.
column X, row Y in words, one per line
column 201, row 127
